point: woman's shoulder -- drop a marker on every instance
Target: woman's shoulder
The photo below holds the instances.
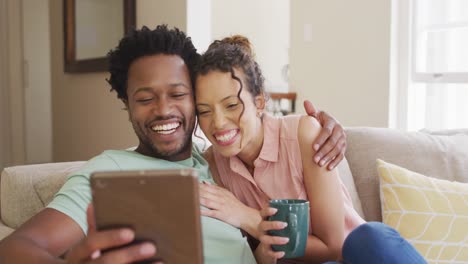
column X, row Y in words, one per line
column 294, row 126
column 297, row 120
column 308, row 129
column 284, row 127
column 309, row 122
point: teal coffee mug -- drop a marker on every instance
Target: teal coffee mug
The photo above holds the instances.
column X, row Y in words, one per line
column 296, row 214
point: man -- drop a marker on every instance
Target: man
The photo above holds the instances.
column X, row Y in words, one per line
column 150, row 71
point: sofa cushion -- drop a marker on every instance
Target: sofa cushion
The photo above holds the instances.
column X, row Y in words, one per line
column 440, row 156
column 348, row 181
column 25, row 190
column 431, row 214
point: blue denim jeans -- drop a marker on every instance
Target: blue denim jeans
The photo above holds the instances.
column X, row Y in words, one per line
column 374, row 242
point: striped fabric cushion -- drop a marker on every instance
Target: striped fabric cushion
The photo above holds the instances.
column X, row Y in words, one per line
column 432, row 214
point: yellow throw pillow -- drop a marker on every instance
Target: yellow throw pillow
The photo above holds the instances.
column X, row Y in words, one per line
column 432, row 214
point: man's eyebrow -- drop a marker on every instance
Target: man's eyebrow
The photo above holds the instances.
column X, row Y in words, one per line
column 149, row 89
column 179, row 84
column 142, row 89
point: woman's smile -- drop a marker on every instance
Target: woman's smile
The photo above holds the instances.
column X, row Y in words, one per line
column 226, row 137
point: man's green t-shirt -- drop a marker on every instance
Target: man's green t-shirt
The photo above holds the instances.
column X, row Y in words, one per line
column 222, row 243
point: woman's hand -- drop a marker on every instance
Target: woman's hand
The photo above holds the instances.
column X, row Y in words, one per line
column 264, row 248
column 226, row 207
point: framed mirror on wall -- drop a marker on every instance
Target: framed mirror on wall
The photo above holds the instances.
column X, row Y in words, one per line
column 91, row 29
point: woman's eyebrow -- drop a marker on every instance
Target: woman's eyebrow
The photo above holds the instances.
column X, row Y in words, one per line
column 225, row 98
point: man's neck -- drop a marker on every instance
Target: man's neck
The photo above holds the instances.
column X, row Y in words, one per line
column 182, row 155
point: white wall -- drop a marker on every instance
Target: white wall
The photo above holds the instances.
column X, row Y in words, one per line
column 340, row 58
column 37, row 84
column 87, row 118
column 5, row 148
column 343, row 66
column 266, row 24
column 199, row 23
column 171, row 12
column 12, row 55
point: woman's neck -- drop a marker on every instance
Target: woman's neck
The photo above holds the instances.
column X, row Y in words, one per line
column 252, row 149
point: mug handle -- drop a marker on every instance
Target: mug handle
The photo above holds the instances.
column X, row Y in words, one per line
column 293, row 230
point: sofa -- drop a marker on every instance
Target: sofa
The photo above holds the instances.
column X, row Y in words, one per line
column 25, row 190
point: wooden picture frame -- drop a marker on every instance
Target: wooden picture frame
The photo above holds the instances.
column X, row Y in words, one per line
column 98, row 64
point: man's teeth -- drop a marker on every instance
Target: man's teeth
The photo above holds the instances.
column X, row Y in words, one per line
column 166, row 128
column 227, row 136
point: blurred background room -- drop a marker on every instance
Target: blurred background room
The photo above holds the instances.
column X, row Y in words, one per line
column 391, row 63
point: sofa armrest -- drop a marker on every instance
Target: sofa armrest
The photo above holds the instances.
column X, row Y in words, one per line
column 5, row 230
column 26, row 190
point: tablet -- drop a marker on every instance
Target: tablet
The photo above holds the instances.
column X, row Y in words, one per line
column 161, row 206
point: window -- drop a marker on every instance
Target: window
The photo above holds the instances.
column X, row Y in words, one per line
column 433, row 42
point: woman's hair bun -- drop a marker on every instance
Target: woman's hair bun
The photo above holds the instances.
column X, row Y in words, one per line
column 239, row 41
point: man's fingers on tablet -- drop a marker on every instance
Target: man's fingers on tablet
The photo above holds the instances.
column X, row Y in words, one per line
column 129, row 254
column 104, row 240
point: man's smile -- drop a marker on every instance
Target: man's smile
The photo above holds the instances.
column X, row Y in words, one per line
column 166, row 129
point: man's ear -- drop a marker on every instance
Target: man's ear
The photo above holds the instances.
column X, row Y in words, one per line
column 125, row 108
column 125, row 102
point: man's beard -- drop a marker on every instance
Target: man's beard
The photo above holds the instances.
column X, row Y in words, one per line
column 156, row 152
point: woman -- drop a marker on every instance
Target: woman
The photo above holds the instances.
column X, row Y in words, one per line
column 259, row 157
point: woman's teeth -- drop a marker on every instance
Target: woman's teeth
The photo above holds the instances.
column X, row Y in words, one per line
column 166, row 128
column 227, row 136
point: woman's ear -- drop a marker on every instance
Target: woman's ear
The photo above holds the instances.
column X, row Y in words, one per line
column 260, row 102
